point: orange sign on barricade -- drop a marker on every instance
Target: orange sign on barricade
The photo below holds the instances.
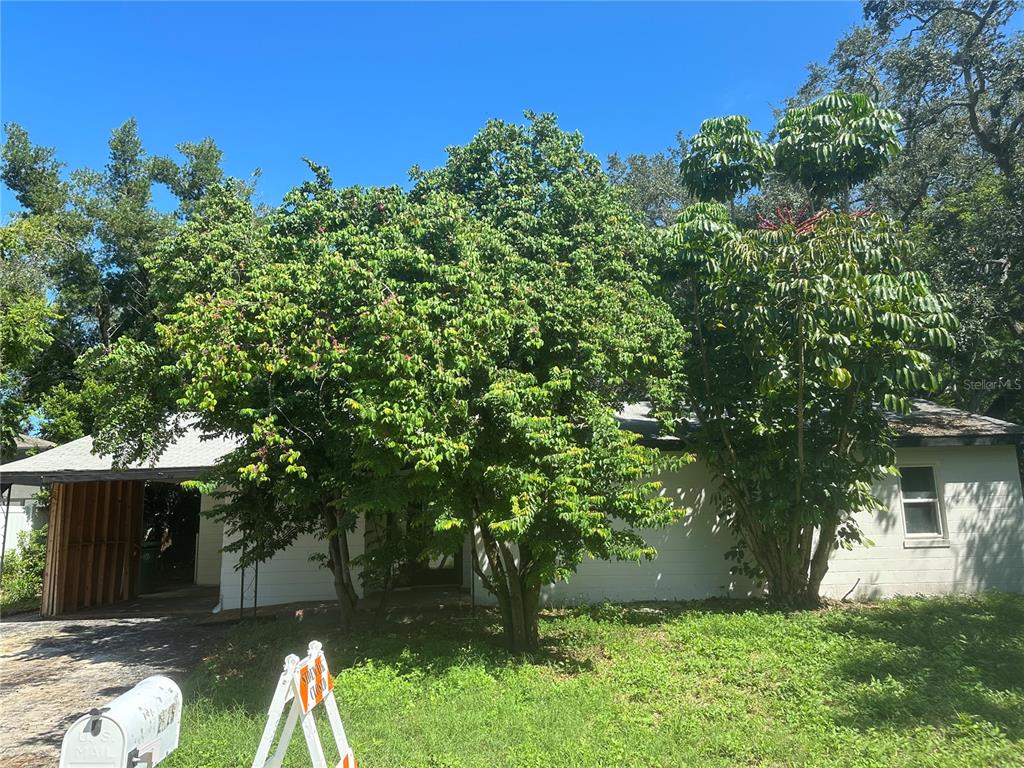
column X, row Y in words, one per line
column 306, row 683
column 314, row 681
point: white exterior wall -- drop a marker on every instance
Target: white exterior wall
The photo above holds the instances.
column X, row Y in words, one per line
column 982, row 505
column 17, row 522
column 980, row 498
column 287, row 577
column 209, row 540
column 20, row 517
column 690, row 562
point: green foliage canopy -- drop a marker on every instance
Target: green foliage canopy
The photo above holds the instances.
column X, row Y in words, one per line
column 835, row 143
column 546, row 478
column 725, row 159
column 804, row 328
column 26, row 317
column 955, row 71
column 89, row 233
column 462, row 348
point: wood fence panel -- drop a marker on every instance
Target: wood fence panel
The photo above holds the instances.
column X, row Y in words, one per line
column 94, row 544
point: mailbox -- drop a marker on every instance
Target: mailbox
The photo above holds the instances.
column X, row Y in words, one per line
column 138, row 728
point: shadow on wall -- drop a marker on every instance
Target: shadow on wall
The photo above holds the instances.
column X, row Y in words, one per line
column 992, row 553
column 984, row 519
column 949, row 662
column 887, row 521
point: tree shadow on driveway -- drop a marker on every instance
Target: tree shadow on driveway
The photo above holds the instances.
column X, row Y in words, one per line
column 53, row 671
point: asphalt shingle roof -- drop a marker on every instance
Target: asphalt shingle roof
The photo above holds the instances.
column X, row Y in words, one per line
column 28, row 443
column 928, row 424
column 184, row 459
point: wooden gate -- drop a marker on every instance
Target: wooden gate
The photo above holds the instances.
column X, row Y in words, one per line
column 93, row 544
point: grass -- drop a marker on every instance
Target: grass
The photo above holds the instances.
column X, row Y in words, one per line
column 9, row 607
column 909, row 682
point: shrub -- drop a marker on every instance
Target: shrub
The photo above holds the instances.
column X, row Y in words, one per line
column 22, row 578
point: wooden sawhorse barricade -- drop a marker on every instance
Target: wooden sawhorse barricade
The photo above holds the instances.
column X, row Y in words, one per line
column 305, row 683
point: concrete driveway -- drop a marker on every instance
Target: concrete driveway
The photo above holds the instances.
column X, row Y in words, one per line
column 52, row 671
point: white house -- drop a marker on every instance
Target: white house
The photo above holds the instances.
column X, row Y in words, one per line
column 17, row 504
column 954, row 522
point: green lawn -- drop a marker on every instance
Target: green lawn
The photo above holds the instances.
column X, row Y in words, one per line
column 12, row 607
column 919, row 682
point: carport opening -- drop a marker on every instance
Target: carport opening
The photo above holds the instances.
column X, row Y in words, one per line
column 170, row 526
column 110, row 541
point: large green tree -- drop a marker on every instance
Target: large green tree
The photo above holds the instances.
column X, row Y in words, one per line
column 970, row 243
column 462, row 349
column 300, row 333
column 955, row 71
column 651, row 185
column 92, row 231
column 26, row 317
column 724, row 159
column 544, row 477
column 805, row 328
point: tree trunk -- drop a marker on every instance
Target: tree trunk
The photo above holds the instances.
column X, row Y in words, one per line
column 531, row 615
column 819, row 562
column 788, row 587
column 516, row 604
column 794, row 579
column 341, row 570
column 522, row 616
column 518, row 597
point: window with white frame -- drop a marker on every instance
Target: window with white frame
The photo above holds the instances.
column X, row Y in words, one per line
column 921, row 513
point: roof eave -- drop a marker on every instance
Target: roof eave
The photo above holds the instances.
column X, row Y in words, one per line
column 678, row 443
column 917, row 441
column 169, row 474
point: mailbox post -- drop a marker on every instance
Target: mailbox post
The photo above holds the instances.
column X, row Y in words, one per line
column 138, row 728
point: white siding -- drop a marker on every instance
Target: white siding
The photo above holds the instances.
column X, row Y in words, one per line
column 982, row 504
column 690, row 562
column 980, row 494
column 21, row 518
column 984, row 511
column 209, row 540
column 17, row 522
column 288, row 577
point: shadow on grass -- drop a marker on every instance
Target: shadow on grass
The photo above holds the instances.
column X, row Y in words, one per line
column 430, row 646
column 938, row 662
column 894, row 666
column 645, row 614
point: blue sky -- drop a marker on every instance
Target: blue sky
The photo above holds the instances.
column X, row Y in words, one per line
column 371, row 89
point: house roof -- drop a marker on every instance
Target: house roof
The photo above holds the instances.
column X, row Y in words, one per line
column 193, row 452
column 184, row 459
column 928, row 425
column 636, row 417
column 28, row 443
column 931, row 424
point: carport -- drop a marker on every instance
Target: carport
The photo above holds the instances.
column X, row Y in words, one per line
column 96, row 512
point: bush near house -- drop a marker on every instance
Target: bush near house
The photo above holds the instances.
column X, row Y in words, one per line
column 22, row 579
column 909, row 682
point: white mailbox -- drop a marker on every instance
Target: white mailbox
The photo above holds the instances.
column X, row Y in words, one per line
column 138, row 728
